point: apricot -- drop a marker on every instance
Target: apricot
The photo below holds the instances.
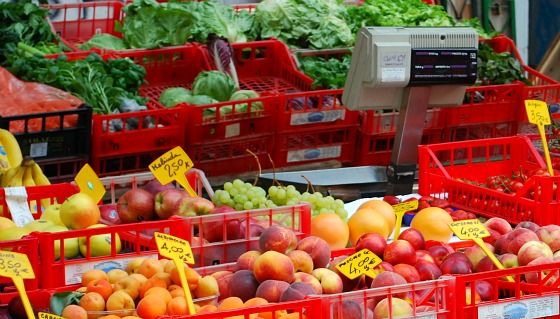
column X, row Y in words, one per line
column 93, row 274
column 150, row 283
column 178, row 307
column 149, row 267
column 151, row 307
column 74, row 312
column 163, row 293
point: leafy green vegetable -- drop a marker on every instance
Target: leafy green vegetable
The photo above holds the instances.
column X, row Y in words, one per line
column 103, row 41
column 173, row 96
column 475, row 24
column 201, row 100
column 214, row 84
column 245, row 95
column 332, row 33
column 327, row 73
column 221, row 19
column 499, row 68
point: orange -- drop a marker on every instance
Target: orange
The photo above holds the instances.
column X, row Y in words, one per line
column 433, row 223
column 367, row 220
column 384, row 208
column 333, row 229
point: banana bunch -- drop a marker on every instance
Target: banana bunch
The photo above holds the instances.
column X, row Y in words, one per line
column 26, row 173
column 10, row 152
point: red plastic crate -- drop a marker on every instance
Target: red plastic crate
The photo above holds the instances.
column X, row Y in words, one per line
column 441, row 164
column 297, row 218
column 265, row 67
column 479, row 131
column 230, row 156
column 159, row 131
column 315, row 145
column 77, row 22
column 377, row 149
column 302, row 111
column 26, row 245
column 386, row 121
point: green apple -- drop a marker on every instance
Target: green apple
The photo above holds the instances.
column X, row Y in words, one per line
column 71, row 249
column 52, row 213
column 100, row 245
column 39, row 224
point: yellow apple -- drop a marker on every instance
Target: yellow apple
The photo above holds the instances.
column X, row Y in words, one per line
column 52, row 213
column 71, row 249
column 6, row 223
column 79, row 211
column 39, row 224
column 13, row 233
column 100, row 245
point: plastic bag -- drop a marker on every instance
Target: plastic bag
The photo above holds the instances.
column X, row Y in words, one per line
column 23, row 98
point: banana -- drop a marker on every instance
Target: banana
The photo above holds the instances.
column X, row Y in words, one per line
column 10, row 148
column 8, row 175
column 28, row 176
column 38, row 175
column 14, row 176
column 17, row 179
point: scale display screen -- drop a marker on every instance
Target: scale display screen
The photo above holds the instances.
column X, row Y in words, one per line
column 443, row 66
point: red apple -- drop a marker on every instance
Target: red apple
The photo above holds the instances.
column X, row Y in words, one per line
column 193, row 206
column 414, row 237
column 154, row 186
column 532, row 250
column 109, row 214
column 213, row 231
column 136, row 205
column 165, row 201
column 550, row 235
column 374, row 242
column 400, row 251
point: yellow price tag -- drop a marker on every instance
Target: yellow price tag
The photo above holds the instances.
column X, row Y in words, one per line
column 178, row 250
column 537, row 113
column 89, row 183
column 172, row 166
column 17, row 267
column 400, row 209
column 46, row 315
column 473, row 229
column 362, row 262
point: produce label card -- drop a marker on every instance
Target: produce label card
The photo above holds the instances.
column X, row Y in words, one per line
column 537, row 112
column 16, row 199
column 171, row 165
column 174, row 248
column 89, row 183
column 15, row 265
column 359, row 263
column 469, row 229
column 46, row 315
column 406, row 207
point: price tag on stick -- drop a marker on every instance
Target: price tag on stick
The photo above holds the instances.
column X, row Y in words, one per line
column 537, row 113
column 362, row 262
column 172, row 166
column 17, row 267
column 89, row 183
column 400, row 209
column 178, row 250
column 473, row 229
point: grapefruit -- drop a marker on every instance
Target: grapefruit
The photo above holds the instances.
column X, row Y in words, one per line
column 333, row 229
column 433, row 223
column 367, row 220
column 383, row 208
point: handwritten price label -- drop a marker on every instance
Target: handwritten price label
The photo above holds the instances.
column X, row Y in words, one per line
column 172, row 166
column 400, row 209
column 359, row 263
column 469, row 229
column 174, row 248
column 45, row 315
column 537, row 112
column 15, row 265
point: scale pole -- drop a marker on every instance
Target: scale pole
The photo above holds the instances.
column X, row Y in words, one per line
column 410, row 126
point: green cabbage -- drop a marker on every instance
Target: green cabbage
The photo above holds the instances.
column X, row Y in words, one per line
column 173, row 96
column 214, row 84
column 244, row 95
column 201, row 100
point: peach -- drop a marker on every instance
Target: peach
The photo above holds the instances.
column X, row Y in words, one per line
column 120, row 300
column 150, row 283
column 548, row 275
column 178, row 307
column 166, row 277
column 350, row 310
column 330, row 281
column 207, row 286
column 347, row 283
column 317, row 248
column 74, row 312
column 427, row 270
column 92, row 301
column 273, row 265
column 92, row 274
column 223, row 279
column 128, row 284
column 151, row 307
column 532, row 250
column 528, row 225
column 475, row 253
column 518, row 237
column 271, row 289
column 149, row 267
column 101, row 286
column 387, row 279
column 115, row 274
column 141, row 278
column 133, row 265
column 301, row 260
column 309, row 279
column 161, row 292
column 247, row 259
column 243, row 284
column 277, row 238
column 392, row 309
column 498, row 224
column 550, row 235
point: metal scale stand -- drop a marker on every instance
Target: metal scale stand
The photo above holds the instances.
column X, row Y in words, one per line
column 410, row 69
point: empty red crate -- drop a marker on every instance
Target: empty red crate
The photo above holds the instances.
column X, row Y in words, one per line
column 441, row 166
column 315, row 145
column 230, row 157
column 78, row 22
column 377, row 149
column 302, row 111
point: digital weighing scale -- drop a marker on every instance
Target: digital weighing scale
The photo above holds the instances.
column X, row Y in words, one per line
column 410, row 69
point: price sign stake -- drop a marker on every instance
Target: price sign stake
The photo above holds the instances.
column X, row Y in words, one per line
column 172, row 166
column 537, row 113
column 400, row 209
column 89, row 183
column 473, row 229
column 362, row 262
column 17, row 267
column 178, row 250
